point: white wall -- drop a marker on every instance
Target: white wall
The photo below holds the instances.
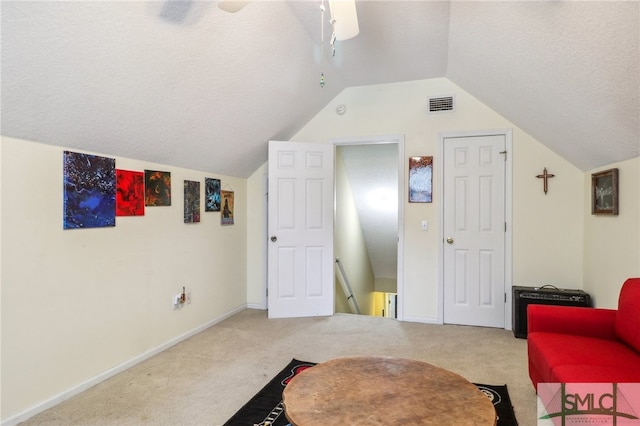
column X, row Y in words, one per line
column 257, row 239
column 350, row 247
column 547, row 229
column 1, row 314
column 612, row 243
column 77, row 304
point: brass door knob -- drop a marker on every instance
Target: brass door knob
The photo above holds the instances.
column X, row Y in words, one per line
column 450, row 240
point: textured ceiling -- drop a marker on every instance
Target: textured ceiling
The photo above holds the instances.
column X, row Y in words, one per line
column 186, row 84
column 568, row 73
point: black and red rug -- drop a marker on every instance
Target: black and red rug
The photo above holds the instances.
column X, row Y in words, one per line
column 265, row 408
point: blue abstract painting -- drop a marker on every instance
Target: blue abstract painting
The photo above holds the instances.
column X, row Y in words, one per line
column 89, row 191
column 212, row 195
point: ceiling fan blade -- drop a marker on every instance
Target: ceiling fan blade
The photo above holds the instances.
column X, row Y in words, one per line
column 343, row 12
column 232, row 6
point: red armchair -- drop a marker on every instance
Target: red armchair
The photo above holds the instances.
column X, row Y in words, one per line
column 586, row 345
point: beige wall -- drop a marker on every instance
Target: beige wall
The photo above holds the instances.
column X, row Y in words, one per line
column 547, row 229
column 612, row 243
column 77, row 304
column 350, row 248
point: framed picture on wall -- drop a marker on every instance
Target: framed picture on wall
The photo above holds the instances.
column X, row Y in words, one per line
column 226, row 218
column 420, row 179
column 191, row 201
column 157, row 187
column 211, row 195
column 129, row 193
column 604, row 192
column 89, row 186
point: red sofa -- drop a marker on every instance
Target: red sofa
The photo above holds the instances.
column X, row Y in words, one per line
column 569, row 344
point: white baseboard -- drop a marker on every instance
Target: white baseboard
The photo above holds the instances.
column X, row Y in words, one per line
column 422, row 320
column 259, row 306
column 38, row 408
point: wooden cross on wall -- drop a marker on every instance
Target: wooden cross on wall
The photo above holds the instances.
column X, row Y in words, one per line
column 545, row 176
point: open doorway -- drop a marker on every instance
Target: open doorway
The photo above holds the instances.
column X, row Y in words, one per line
column 368, row 181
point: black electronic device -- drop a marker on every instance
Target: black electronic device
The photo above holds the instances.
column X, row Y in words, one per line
column 543, row 295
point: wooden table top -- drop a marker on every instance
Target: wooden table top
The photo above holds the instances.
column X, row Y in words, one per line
column 384, row 391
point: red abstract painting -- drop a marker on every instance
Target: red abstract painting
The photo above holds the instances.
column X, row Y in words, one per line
column 129, row 193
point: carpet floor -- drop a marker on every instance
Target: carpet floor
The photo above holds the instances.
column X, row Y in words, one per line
column 204, row 380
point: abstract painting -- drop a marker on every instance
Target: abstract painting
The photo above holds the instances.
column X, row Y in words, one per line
column 89, row 191
column 129, row 193
column 226, row 218
column 191, row 201
column 157, row 188
column 420, row 179
column 212, row 195
column 604, row 192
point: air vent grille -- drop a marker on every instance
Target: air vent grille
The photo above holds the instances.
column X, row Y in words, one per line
column 441, row 104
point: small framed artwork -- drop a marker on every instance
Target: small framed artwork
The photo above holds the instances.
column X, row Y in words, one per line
column 157, row 187
column 604, row 192
column 212, row 195
column 129, row 193
column 191, row 201
column 226, row 218
column 420, row 179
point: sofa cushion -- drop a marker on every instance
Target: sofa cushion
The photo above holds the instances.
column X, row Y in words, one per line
column 550, row 350
column 574, row 320
column 628, row 316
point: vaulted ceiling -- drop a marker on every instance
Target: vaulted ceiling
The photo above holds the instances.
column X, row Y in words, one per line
column 187, row 84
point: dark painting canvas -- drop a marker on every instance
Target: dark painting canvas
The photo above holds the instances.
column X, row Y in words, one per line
column 129, row 193
column 157, row 187
column 191, row 201
column 89, row 191
column 212, row 195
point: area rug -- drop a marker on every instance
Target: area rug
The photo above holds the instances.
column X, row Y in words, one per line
column 265, row 408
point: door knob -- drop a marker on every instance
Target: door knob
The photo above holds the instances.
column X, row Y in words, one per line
column 274, row 238
column 450, row 240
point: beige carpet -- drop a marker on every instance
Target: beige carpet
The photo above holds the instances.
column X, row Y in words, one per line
column 207, row 378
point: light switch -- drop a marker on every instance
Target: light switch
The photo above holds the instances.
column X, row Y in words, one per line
column 424, row 225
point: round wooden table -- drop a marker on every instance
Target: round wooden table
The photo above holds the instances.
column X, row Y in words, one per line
column 384, row 391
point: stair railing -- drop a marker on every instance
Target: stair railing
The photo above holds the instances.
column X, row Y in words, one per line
column 346, row 288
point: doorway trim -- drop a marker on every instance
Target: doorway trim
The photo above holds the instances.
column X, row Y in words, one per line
column 399, row 141
column 508, row 261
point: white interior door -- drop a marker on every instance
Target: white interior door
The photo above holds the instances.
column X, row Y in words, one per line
column 300, row 275
column 474, row 228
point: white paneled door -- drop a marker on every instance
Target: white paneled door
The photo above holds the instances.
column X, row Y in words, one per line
column 300, row 225
column 474, row 230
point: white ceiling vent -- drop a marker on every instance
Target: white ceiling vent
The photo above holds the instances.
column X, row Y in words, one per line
column 442, row 104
